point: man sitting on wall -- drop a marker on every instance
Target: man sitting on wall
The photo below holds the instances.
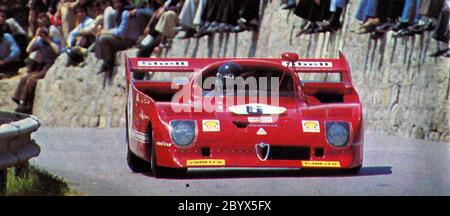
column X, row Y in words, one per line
column 47, row 51
column 9, row 54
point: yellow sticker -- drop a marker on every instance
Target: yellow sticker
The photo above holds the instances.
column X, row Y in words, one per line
column 211, row 125
column 311, row 126
column 322, row 164
column 209, row 162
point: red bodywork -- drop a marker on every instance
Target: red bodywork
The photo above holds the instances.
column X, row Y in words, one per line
column 148, row 119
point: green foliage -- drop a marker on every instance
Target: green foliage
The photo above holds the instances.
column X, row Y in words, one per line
column 36, row 182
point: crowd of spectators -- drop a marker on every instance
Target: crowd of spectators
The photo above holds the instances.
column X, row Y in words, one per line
column 404, row 17
column 104, row 27
column 407, row 18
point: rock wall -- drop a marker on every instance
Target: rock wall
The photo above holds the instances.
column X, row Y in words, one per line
column 401, row 94
column 7, row 88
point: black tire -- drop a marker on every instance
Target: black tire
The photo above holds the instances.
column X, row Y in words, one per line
column 156, row 170
column 137, row 164
column 352, row 171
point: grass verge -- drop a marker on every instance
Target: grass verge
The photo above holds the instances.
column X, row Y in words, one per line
column 37, row 182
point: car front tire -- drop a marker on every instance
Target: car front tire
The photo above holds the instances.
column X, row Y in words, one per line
column 136, row 164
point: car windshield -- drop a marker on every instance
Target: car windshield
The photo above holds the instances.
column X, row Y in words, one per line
column 254, row 81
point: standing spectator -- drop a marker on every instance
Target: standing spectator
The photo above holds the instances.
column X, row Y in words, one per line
column 48, row 51
column 9, row 54
column 66, row 11
column 14, row 28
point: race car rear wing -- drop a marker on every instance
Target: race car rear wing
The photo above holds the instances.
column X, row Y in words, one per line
column 183, row 65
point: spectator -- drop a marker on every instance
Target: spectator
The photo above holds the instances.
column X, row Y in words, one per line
column 429, row 11
column 110, row 17
column 78, row 44
column 409, row 17
column 83, row 21
column 48, row 51
column 249, row 16
column 221, row 15
column 9, row 54
column 367, row 13
column 55, row 33
column 389, row 12
column 288, row 5
column 334, row 23
column 66, row 11
column 442, row 33
column 14, row 28
column 36, row 7
column 187, row 16
column 166, row 27
column 95, row 28
column 152, row 37
column 313, row 11
column 117, row 39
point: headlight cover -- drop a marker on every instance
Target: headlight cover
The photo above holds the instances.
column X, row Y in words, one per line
column 183, row 132
column 338, row 133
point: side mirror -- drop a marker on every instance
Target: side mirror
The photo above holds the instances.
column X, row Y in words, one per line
column 290, row 57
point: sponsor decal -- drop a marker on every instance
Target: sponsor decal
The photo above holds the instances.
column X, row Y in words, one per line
column 139, row 136
column 310, row 64
column 264, row 125
column 261, row 132
column 211, row 125
column 163, row 64
column 164, row 144
column 142, row 100
column 263, row 120
column 257, row 109
column 208, row 162
column 311, row 126
column 322, row 164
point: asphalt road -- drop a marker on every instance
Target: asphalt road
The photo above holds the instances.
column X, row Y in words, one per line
column 93, row 162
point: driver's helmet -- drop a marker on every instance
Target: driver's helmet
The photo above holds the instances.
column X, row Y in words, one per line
column 227, row 73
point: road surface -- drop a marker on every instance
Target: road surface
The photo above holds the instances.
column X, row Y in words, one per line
column 93, row 162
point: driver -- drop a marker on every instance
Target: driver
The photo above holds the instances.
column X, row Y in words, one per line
column 226, row 74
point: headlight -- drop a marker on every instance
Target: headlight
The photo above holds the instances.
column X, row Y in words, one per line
column 338, row 133
column 183, row 132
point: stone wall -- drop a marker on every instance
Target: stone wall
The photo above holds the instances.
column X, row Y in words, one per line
column 400, row 98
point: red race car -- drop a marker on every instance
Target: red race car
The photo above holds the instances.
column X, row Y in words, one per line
column 243, row 114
